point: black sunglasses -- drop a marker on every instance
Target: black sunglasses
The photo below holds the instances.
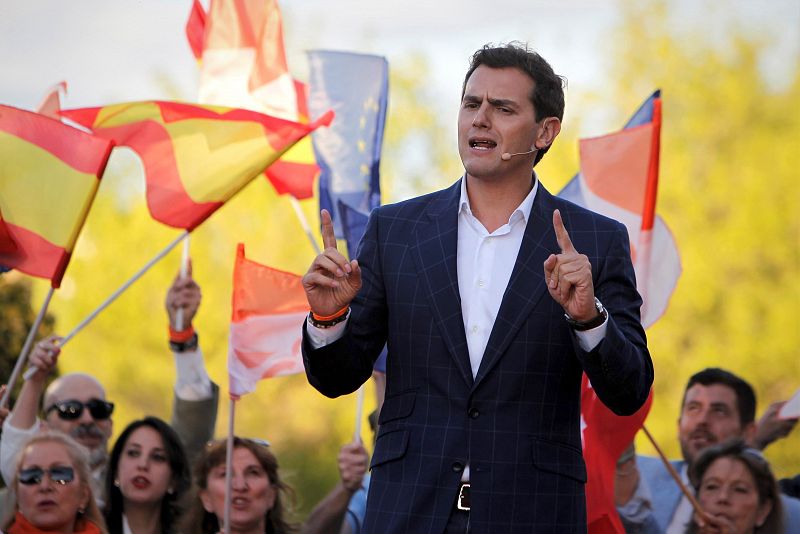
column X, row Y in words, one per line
column 34, row 475
column 72, row 409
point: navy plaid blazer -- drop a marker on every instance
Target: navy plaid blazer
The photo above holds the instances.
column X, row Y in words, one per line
column 517, row 424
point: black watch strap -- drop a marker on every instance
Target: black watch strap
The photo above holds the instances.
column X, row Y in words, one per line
column 580, row 326
column 184, row 346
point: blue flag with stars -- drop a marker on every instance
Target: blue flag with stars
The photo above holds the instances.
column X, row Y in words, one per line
column 348, row 152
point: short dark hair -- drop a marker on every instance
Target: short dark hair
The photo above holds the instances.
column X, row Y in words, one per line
column 547, row 96
column 745, row 396
column 759, row 469
column 172, row 502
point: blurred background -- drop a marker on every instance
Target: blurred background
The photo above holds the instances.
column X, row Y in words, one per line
column 730, row 76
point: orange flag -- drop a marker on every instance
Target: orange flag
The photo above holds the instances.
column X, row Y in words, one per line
column 49, row 176
column 243, row 64
column 269, row 307
column 195, row 157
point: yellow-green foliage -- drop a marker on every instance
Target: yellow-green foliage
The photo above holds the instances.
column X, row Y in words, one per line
column 728, row 190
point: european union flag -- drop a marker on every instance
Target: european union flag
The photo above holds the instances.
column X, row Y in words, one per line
column 348, row 152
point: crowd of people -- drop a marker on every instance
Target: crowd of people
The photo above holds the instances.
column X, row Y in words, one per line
column 64, row 478
column 62, row 474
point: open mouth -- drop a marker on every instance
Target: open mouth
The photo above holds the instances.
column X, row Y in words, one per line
column 482, row 144
column 240, row 502
column 140, row 482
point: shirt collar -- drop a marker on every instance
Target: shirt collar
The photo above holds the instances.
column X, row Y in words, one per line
column 523, row 210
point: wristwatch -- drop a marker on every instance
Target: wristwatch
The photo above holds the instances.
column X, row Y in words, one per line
column 580, row 326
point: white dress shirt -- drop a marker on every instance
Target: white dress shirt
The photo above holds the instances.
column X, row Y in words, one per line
column 484, row 265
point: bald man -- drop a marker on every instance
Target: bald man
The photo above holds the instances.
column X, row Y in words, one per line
column 76, row 403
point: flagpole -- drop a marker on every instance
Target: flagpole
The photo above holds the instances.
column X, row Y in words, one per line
column 359, row 413
column 32, row 370
column 674, row 474
column 304, row 223
column 184, row 272
column 26, row 348
column 229, row 466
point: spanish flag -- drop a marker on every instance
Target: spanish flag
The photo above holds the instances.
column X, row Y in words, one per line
column 49, row 175
column 243, row 64
column 195, row 157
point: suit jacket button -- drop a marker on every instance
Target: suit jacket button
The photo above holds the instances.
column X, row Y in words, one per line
column 458, row 467
column 474, row 413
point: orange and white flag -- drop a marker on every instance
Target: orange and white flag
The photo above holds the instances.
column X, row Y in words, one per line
column 269, row 307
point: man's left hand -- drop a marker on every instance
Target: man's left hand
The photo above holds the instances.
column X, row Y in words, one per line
column 569, row 276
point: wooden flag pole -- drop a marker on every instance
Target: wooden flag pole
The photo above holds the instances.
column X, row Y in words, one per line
column 229, row 466
column 674, row 474
column 32, row 370
column 184, row 272
column 359, row 413
column 304, row 223
column 26, row 348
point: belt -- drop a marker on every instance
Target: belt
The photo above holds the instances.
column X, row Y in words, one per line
column 463, row 501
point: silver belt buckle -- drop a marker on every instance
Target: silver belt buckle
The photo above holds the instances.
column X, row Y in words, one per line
column 463, row 498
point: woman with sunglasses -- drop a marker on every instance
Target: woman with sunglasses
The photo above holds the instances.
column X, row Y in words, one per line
column 53, row 490
column 258, row 496
column 147, row 478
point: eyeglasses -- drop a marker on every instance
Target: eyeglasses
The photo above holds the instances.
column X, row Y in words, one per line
column 69, row 410
column 34, row 475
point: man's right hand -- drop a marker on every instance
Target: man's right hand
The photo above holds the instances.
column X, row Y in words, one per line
column 44, row 357
column 331, row 282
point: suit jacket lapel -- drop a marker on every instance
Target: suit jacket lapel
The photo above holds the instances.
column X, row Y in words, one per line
column 435, row 254
column 526, row 285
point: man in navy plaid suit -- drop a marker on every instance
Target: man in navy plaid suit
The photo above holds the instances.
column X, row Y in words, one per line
column 493, row 296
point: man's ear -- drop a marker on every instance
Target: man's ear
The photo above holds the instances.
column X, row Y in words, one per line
column 548, row 132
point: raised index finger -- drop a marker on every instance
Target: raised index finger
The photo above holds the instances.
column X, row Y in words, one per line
column 328, row 237
column 564, row 242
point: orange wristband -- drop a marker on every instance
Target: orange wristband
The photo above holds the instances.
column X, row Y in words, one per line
column 182, row 336
column 324, row 318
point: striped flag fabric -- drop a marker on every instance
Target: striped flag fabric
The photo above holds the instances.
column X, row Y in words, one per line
column 269, row 307
column 348, row 153
column 243, row 64
column 619, row 179
column 195, row 157
column 49, row 175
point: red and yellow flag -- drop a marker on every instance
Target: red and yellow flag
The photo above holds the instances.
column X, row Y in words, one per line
column 195, row 157
column 243, row 64
column 49, row 175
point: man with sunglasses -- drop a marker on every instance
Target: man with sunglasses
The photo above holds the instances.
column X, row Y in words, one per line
column 76, row 403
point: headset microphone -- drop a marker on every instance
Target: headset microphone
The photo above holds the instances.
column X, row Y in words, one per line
column 505, row 156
